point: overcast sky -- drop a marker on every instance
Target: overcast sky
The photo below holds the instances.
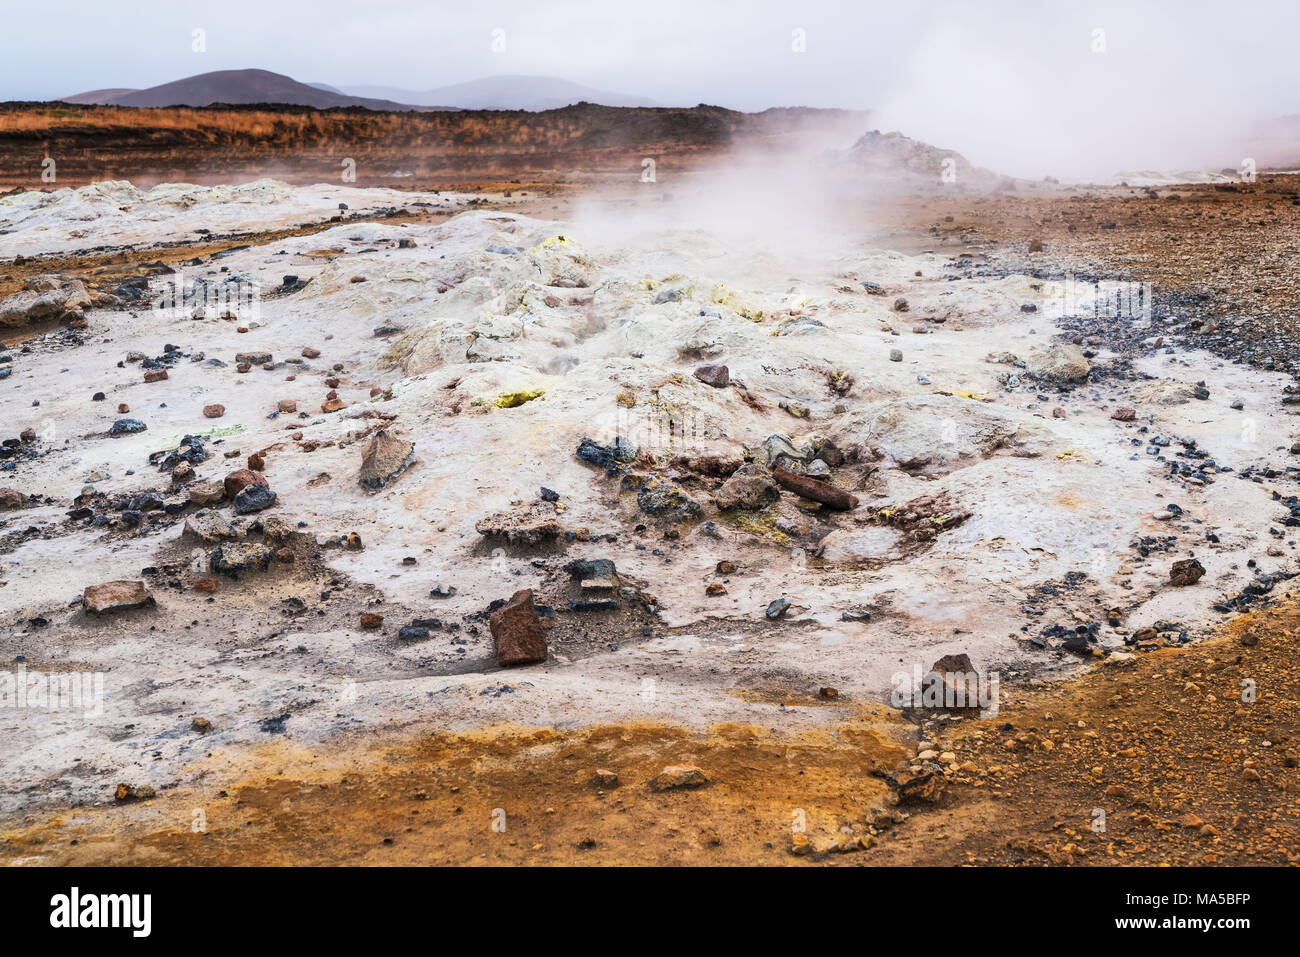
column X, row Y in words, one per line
column 967, row 75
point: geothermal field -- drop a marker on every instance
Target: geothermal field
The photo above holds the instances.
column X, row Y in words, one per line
column 832, row 436
column 602, row 508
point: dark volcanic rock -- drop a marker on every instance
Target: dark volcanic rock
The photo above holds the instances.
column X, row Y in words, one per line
column 254, row 498
column 126, row 427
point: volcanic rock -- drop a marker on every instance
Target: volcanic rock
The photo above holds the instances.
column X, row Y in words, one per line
column 254, row 498
column 678, row 776
column 717, row 376
column 126, row 427
column 523, row 525
column 750, row 487
column 240, row 479
column 115, row 596
column 1188, row 571
column 666, row 500
column 207, row 493
column 517, row 631
column 43, row 298
column 235, row 557
column 1063, row 362
column 384, row 458
column 210, row 527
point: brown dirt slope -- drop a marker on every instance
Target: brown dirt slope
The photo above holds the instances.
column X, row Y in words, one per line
column 1185, row 771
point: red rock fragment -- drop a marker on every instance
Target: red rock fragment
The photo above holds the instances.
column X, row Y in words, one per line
column 517, row 631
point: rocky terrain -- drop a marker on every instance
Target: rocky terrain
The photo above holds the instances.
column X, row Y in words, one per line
column 624, row 526
column 219, row 145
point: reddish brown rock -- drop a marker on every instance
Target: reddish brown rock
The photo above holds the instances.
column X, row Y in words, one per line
column 1186, row 572
column 309, row 353
column 10, row 498
column 123, row 408
column 240, row 479
column 517, row 631
column 815, row 489
column 1123, row 415
column 604, row 778
column 155, row 375
column 256, row 463
column 205, row 584
column 370, row 621
column 214, row 411
column 115, row 596
column 286, row 405
column 332, row 405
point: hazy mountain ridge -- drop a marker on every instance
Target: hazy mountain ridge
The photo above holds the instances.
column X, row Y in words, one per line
column 236, row 87
column 506, row 92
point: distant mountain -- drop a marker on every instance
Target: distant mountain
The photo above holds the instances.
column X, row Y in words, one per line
column 238, row 86
column 506, row 93
column 97, row 97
